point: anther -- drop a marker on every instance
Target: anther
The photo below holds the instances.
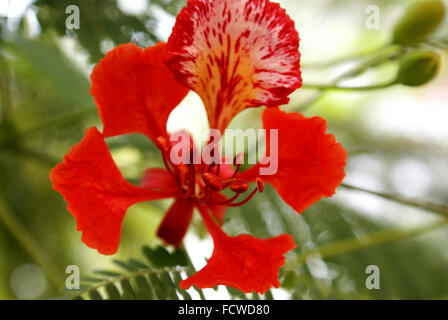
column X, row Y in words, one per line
column 163, row 144
column 260, row 185
column 259, row 188
column 239, row 186
column 212, row 181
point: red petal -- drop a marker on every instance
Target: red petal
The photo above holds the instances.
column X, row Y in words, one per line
column 134, row 90
column 159, row 178
column 235, row 54
column 218, row 211
column 176, row 222
column 97, row 195
column 243, row 262
column 310, row 162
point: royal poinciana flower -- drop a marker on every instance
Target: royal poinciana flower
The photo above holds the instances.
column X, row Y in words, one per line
column 235, row 55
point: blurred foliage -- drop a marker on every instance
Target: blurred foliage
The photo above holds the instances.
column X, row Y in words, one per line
column 102, row 21
column 46, row 108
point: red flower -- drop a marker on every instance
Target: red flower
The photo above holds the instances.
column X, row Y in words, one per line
column 235, row 55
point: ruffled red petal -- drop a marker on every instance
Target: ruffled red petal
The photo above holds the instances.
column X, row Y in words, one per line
column 235, row 54
column 158, row 178
column 97, row 195
column 310, row 162
column 176, row 222
column 243, row 262
column 134, row 90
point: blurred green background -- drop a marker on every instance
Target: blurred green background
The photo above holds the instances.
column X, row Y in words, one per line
column 391, row 211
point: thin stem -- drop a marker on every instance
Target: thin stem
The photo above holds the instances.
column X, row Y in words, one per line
column 348, row 58
column 238, row 204
column 353, row 72
column 369, row 240
column 437, row 208
column 336, row 87
column 31, row 245
column 370, row 63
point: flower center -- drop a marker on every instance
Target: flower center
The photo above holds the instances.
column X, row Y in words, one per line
column 199, row 182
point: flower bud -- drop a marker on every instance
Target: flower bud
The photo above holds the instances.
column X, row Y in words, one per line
column 418, row 67
column 418, row 22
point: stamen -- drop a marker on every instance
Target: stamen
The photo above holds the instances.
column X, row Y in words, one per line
column 238, row 158
column 212, row 165
column 163, row 144
column 226, row 202
column 212, row 181
column 239, row 186
column 260, row 188
column 237, row 162
column 217, row 169
column 237, row 204
column 260, row 184
column 183, row 173
column 192, row 177
column 205, row 196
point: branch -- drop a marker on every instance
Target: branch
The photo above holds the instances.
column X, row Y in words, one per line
column 434, row 207
column 369, row 240
column 336, row 87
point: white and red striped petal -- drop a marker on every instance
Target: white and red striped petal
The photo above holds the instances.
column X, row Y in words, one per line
column 235, row 54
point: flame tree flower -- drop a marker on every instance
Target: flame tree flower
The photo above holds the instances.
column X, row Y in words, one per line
column 236, row 55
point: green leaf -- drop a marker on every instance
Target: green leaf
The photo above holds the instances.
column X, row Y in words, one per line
column 160, row 257
column 235, row 293
column 128, row 290
column 113, row 292
column 177, row 280
column 169, row 286
column 107, row 273
column 158, row 287
column 143, row 289
column 94, row 295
